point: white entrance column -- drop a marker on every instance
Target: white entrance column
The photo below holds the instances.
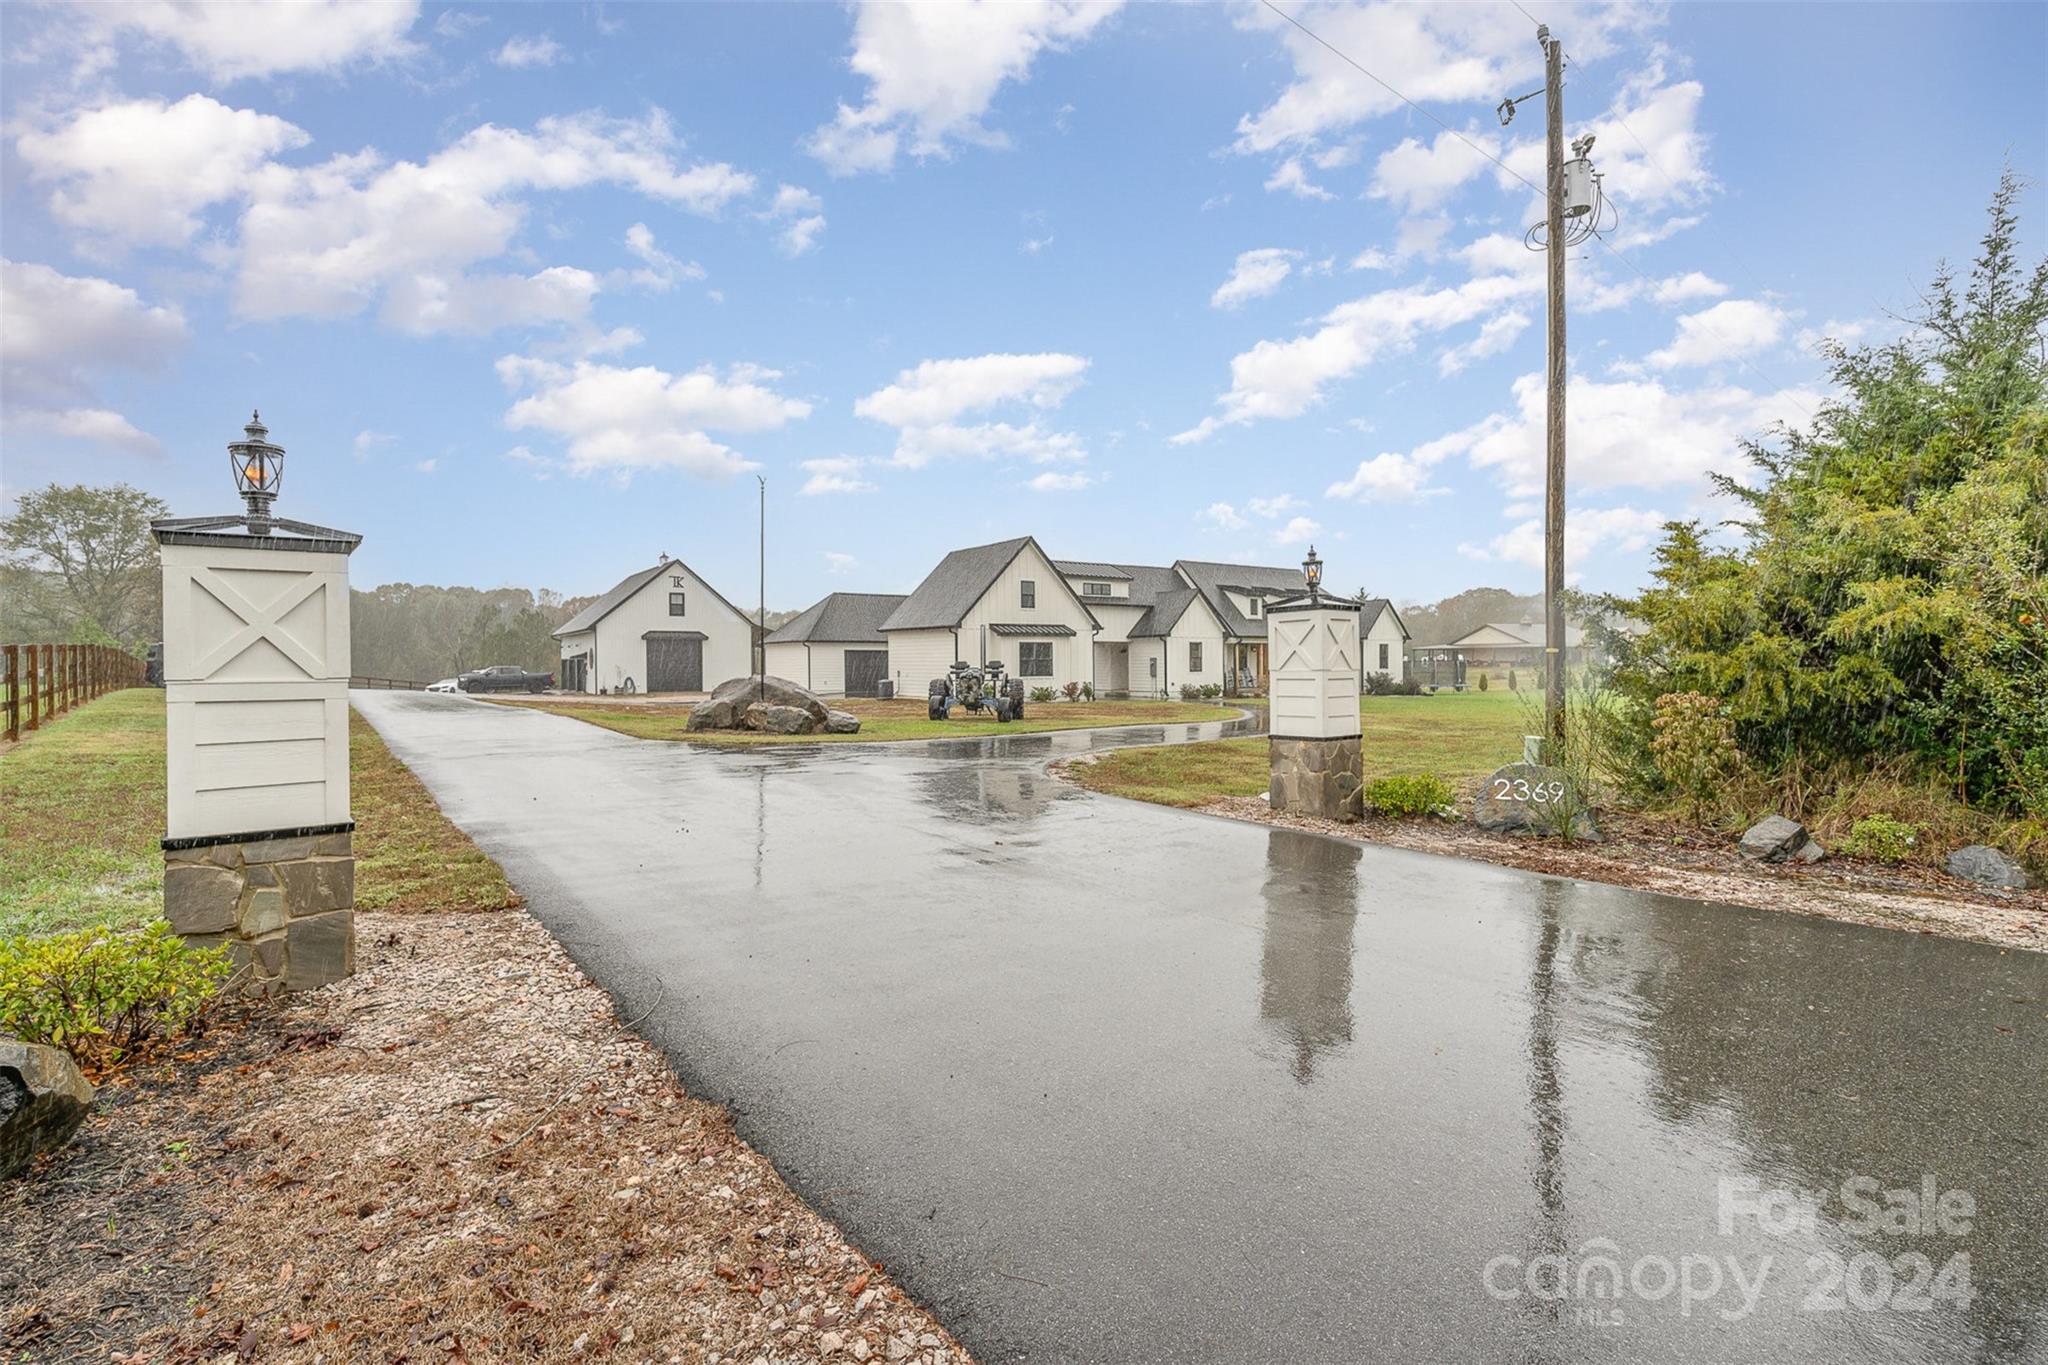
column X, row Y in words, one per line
column 1316, row 758
column 258, row 849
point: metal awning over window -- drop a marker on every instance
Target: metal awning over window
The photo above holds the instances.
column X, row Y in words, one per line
column 673, row 635
column 1009, row 629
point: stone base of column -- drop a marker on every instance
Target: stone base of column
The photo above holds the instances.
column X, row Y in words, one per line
column 283, row 906
column 1324, row 778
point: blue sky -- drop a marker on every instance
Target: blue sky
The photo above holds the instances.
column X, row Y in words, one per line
column 530, row 293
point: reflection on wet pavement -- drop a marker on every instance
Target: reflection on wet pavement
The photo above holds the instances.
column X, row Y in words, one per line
column 1235, row 1093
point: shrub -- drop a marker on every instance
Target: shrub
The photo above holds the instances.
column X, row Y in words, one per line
column 98, row 994
column 1071, row 691
column 1380, row 685
column 1514, row 683
column 1087, row 691
column 1693, row 746
column 1880, row 837
column 1041, row 694
column 1190, row 692
column 1212, row 689
column 1482, row 682
column 1410, row 794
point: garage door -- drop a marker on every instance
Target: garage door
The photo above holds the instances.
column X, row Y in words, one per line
column 675, row 661
column 865, row 669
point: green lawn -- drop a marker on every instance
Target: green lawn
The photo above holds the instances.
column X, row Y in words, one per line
column 1459, row 736
column 888, row 720
column 82, row 811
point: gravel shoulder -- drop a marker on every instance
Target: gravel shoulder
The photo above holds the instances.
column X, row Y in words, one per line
column 459, row 1153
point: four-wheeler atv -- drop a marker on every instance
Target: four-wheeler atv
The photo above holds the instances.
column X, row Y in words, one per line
column 976, row 690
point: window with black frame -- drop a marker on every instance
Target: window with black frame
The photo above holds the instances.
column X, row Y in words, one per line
column 675, row 604
column 1027, row 593
column 1034, row 659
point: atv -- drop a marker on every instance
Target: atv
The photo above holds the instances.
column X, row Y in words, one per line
column 976, row 689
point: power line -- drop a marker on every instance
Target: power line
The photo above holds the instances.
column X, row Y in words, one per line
column 1614, row 250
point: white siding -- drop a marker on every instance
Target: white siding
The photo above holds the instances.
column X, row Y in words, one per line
column 792, row 661
column 1196, row 626
column 1385, row 633
column 1117, row 620
column 1073, row 656
column 918, row 656
column 1148, row 668
column 622, row 652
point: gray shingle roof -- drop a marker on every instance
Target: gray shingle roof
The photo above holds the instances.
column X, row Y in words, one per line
column 840, row 618
column 1210, row 579
column 1167, row 608
column 1370, row 617
column 950, row 591
column 1528, row 632
column 603, row 606
column 1088, row 568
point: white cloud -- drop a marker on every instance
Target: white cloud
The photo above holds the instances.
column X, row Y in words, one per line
column 839, row 563
column 522, row 51
column 621, row 420
column 802, row 216
column 1033, row 245
column 1298, row 531
column 1286, row 378
column 1372, row 258
column 1418, row 177
column 932, row 71
column 658, row 271
column 543, row 468
column 1290, row 176
column 232, row 41
column 1395, row 477
column 141, row 172
column 840, row 474
column 427, row 466
column 1496, row 334
column 1727, row 331
column 1687, row 287
column 329, row 240
column 59, row 333
column 455, row 23
column 940, row 390
column 1256, row 274
column 1050, row 482
column 1222, row 516
column 1278, row 505
column 367, row 441
column 1586, row 530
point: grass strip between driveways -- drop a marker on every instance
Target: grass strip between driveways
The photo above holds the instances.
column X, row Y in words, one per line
column 881, row 721
column 82, row 810
column 1459, row 736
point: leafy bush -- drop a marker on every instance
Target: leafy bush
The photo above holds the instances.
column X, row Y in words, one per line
column 1380, row 685
column 1190, row 692
column 1410, row 794
column 1482, row 682
column 1514, row 683
column 1041, row 694
column 1087, row 691
column 1212, row 689
column 1071, row 691
column 1880, row 837
column 1694, row 746
column 98, row 994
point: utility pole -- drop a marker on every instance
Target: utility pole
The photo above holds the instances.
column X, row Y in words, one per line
column 1553, row 463
column 760, row 644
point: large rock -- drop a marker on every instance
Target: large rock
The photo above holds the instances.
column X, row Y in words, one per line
column 771, row 719
column 1983, row 863
column 726, row 708
column 841, row 723
column 1533, row 798
column 1775, row 839
column 43, row 1099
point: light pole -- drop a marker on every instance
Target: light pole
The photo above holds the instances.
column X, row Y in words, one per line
column 1573, row 205
column 760, row 660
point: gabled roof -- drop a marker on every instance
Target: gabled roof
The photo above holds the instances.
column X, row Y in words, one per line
column 1371, row 616
column 950, row 591
column 1523, row 632
column 840, row 618
column 1165, row 612
column 1210, row 579
column 626, row 587
column 1088, row 568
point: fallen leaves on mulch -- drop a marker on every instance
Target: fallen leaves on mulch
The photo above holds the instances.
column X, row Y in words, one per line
column 1649, row 856
column 458, row 1154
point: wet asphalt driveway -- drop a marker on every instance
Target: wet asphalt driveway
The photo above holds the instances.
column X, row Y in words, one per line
column 1104, row 1082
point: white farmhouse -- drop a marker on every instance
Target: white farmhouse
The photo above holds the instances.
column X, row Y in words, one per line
column 662, row 629
column 836, row 648
column 1158, row 634
column 1007, row 601
column 1383, row 640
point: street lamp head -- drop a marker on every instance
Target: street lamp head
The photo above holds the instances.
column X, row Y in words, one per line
column 258, row 463
column 1312, row 570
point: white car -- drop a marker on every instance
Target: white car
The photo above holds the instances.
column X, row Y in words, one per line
column 445, row 685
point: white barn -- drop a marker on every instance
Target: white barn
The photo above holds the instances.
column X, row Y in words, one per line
column 1383, row 640
column 836, row 647
column 663, row 629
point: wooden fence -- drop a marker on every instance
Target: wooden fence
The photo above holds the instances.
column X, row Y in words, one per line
column 388, row 684
column 45, row 681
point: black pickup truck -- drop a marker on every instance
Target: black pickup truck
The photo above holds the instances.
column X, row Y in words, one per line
column 504, row 678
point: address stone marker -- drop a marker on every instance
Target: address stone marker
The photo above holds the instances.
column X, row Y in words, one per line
column 258, row 850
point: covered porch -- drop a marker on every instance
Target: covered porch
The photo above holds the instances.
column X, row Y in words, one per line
column 1244, row 668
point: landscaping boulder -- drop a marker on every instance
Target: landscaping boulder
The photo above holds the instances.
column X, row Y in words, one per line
column 771, row 719
column 43, row 1099
column 1983, row 863
column 1775, row 839
column 1532, row 798
column 841, row 723
column 726, row 707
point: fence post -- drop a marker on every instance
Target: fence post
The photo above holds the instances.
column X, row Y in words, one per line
column 13, row 657
column 30, row 678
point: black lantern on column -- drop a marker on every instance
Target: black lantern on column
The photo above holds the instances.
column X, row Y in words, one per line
column 1312, row 570
column 259, row 469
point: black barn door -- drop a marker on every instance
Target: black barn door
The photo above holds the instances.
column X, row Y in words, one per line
column 675, row 663
column 865, row 669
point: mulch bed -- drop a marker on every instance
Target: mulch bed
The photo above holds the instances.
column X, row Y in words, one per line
column 458, row 1154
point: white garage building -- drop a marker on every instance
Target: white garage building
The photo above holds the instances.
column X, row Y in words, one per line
column 836, row 648
column 662, row 629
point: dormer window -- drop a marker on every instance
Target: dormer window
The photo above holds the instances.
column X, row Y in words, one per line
column 1252, row 609
column 1095, row 590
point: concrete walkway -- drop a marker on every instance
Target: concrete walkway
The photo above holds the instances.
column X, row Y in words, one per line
column 1105, row 1082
